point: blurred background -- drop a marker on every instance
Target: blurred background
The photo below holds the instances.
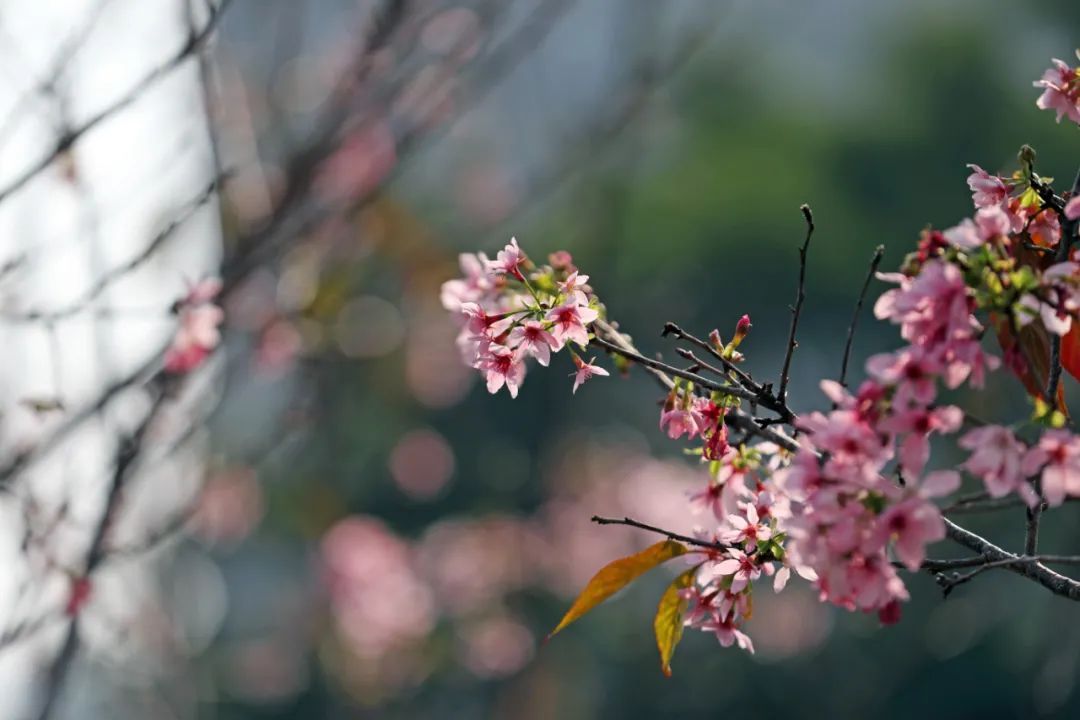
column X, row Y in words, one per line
column 333, row 518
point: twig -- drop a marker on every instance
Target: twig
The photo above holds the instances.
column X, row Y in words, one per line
column 733, row 417
column 112, row 275
column 126, row 457
column 982, row 561
column 792, row 343
column 660, row 531
column 69, row 138
column 741, row 376
column 879, row 252
column 1052, row 581
column 663, row 367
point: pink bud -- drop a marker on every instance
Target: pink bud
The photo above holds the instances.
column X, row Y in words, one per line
column 742, row 329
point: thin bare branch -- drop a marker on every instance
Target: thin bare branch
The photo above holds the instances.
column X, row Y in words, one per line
column 630, row 522
column 71, row 136
column 879, row 253
column 796, row 310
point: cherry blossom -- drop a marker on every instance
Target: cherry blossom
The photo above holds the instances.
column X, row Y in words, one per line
column 585, row 371
column 569, row 321
column 197, row 333
column 531, row 337
column 502, row 366
column 1061, row 91
column 998, row 459
column 1060, row 451
column 986, row 190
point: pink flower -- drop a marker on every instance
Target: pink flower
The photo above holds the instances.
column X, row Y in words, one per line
column 738, row 565
column 477, row 321
column 1072, row 208
column 746, row 529
column 574, row 286
column 728, row 634
column 997, row 459
column 531, row 337
column 986, row 189
column 990, row 222
column 1061, row 91
column 585, row 371
column 910, row 371
column 911, row 525
column 1060, row 451
column 679, row 422
column 1045, row 229
column 711, row 499
column 502, row 366
column 918, row 423
column 203, row 291
column 570, row 320
column 196, row 336
column 934, row 312
column 471, row 288
column 509, row 260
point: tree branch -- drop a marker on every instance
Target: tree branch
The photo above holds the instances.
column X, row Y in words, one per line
column 1052, row 581
column 879, row 253
column 792, row 343
column 630, row 522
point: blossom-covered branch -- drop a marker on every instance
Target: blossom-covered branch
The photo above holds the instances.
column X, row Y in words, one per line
column 852, row 501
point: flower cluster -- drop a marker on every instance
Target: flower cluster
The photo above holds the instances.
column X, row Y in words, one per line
column 511, row 310
column 197, row 334
column 852, row 502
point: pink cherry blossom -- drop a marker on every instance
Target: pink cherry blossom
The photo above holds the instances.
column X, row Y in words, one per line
column 502, row 366
column 998, row 459
column 509, row 260
column 917, row 424
column 196, row 336
column 986, row 189
column 476, row 283
column 531, row 338
column 570, row 320
column 746, row 529
column 911, row 525
column 1045, row 228
column 574, row 287
column 1060, row 451
column 585, row 371
column 680, row 421
column 1061, row 91
column 738, row 565
column 910, row 371
column 1072, row 208
column 728, row 634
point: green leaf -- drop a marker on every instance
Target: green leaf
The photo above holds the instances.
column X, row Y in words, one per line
column 616, row 575
column 668, row 624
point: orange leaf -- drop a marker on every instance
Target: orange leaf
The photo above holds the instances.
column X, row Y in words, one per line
column 668, row 624
column 615, row 576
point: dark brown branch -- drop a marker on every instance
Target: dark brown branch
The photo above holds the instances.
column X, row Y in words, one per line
column 982, row 561
column 1052, row 581
column 739, row 374
column 111, row 276
column 734, row 418
column 663, row 367
column 630, row 522
column 126, row 457
column 70, row 137
column 796, row 310
column 879, row 252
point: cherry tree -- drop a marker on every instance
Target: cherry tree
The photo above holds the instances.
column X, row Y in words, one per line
column 843, row 497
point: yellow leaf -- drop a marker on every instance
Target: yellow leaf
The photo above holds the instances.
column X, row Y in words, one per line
column 616, row 575
column 668, row 624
